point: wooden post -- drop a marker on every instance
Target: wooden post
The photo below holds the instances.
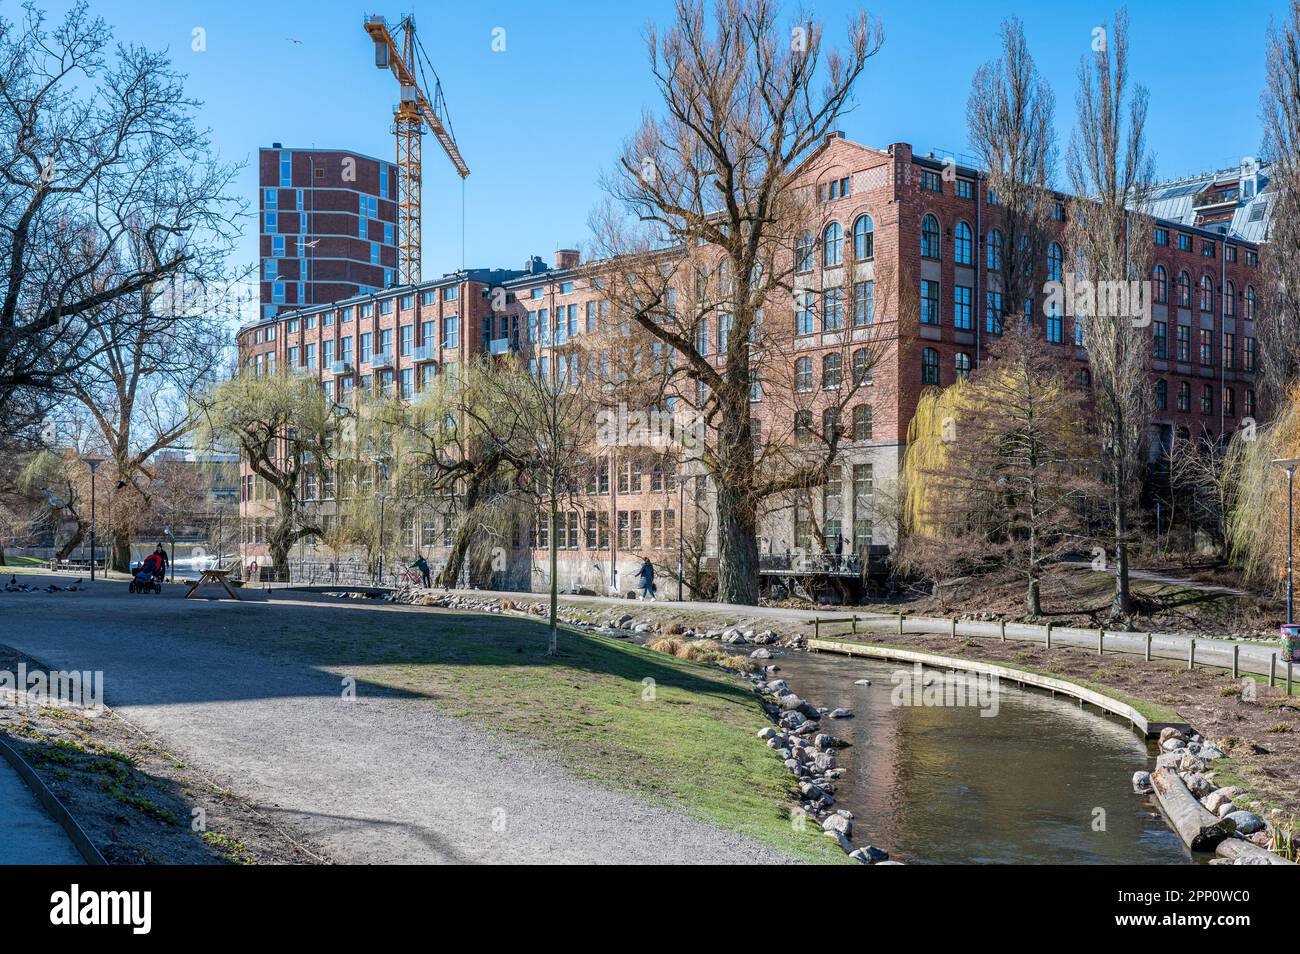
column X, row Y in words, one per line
column 1049, row 636
column 1148, row 647
column 855, row 624
column 1272, row 670
column 1101, row 641
column 1288, row 677
column 817, row 628
column 1002, row 630
column 1236, row 664
column 1191, row 653
column 952, row 627
column 900, row 624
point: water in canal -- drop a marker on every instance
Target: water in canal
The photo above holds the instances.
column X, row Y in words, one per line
column 943, row 784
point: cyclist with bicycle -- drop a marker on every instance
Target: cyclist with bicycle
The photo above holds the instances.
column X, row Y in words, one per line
column 422, row 565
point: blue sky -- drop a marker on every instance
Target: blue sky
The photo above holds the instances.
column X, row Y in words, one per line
column 539, row 122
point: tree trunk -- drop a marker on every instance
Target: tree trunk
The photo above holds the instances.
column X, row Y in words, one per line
column 737, row 546
column 1033, row 602
column 71, row 544
column 554, row 644
column 280, row 538
column 120, row 547
column 450, row 572
column 1122, row 604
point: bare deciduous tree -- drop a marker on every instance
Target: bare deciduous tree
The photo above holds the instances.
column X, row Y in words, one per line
column 1279, row 332
column 711, row 186
column 1111, row 240
column 1009, row 118
column 107, row 189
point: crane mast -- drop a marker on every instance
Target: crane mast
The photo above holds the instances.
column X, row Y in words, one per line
column 414, row 111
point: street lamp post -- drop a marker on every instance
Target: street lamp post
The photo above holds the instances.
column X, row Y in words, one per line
column 1289, row 464
column 93, row 463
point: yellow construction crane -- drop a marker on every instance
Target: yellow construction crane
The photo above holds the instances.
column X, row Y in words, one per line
column 413, row 113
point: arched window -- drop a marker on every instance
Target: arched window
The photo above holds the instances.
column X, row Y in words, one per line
column 832, row 370
column 1160, row 284
column 1207, row 293
column 1162, row 395
column 803, row 374
column 1250, row 302
column 864, row 239
column 930, row 237
column 961, row 362
column 861, row 367
column 995, row 250
column 802, row 423
column 1184, row 290
column 862, row 422
column 832, row 245
column 803, row 252
column 929, row 366
column 962, row 251
column 1230, row 300
column 1054, row 259
column 831, row 423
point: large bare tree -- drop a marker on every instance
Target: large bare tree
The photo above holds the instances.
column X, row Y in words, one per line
column 1111, row 241
column 715, row 178
column 107, row 189
column 1009, row 120
column 1279, row 332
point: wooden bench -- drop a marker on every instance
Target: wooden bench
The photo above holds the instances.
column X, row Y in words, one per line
column 211, row 578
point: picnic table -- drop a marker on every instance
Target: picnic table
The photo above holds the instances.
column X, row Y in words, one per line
column 211, row 578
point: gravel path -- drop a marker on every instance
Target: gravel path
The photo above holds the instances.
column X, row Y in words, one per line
column 387, row 778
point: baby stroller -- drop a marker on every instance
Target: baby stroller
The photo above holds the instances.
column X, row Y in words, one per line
column 146, row 576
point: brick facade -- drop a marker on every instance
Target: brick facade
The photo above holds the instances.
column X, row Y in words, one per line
column 452, row 318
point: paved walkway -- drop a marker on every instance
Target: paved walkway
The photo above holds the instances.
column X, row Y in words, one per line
column 1251, row 657
column 28, row 835
column 387, row 778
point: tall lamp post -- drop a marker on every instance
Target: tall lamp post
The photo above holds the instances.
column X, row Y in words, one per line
column 93, row 463
column 1289, row 464
column 383, row 467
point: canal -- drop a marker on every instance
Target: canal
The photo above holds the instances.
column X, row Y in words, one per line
column 1042, row 781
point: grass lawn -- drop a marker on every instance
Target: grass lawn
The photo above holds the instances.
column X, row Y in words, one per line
column 679, row 733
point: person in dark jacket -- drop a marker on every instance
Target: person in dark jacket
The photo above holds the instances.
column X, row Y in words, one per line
column 647, row 577
column 161, row 552
column 422, row 565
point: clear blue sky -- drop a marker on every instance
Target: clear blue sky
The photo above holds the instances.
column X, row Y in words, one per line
column 539, row 122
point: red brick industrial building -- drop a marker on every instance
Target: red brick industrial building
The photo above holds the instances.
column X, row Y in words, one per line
column 922, row 240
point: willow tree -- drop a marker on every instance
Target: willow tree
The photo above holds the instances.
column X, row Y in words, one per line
column 1005, row 491
column 283, row 425
column 716, row 177
column 1256, row 523
column 1009, row 117
column 1111, row 240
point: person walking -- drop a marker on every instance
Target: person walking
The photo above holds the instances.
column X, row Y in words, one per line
column 162, row 561
column 647, row 576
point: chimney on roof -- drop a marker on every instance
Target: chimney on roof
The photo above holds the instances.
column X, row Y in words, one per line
column 1248, row 180
column 276, row 145
column 566, row 258
column 534, row 266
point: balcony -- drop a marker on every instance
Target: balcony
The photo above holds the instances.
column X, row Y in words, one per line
column 381, row 359
column 426, row 352
column 1209, row 198
column 340, row 367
